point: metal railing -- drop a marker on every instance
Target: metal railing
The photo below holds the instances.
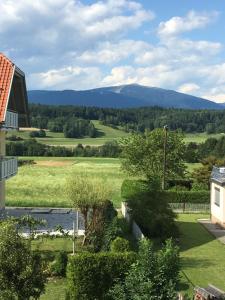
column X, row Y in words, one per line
column 11, row 120
column 8, row 167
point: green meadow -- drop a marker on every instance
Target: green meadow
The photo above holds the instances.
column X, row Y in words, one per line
column 105, row 134
column 43, row 184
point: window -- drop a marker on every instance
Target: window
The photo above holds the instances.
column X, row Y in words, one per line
column 217, row 196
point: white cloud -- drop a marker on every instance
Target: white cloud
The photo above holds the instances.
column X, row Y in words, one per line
column 188, row 88
column 67, row 44
column 109, row 53
column 67, row 78
column 51, row 30
column 193, row 20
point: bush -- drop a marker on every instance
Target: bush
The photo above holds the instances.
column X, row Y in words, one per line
column 186, row 196
column 40, row 133
column 120, row 245
column 152, row 213
column 90, row 276
column 131, row 188
column 58, row 266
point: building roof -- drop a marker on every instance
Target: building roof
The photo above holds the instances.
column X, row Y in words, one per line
column 13, row 93
column 218, row 175
column 7, row 69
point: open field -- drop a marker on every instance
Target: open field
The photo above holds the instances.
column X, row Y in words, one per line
column 105, row 134
column 42, row 184
column 200, row 137
column 202, row 256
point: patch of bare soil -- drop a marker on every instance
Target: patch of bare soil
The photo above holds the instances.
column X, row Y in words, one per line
column 51, row 163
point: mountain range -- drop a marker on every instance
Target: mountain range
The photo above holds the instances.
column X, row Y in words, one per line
column 123, row 96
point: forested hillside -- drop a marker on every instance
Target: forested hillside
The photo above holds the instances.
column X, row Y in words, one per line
column 133, row 119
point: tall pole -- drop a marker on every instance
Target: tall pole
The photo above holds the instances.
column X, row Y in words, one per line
column 165, row 128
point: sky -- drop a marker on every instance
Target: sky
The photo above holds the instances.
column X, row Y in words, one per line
column 71, row 44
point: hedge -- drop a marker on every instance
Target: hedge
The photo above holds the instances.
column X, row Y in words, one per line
column 91, row 275
column 130, row 188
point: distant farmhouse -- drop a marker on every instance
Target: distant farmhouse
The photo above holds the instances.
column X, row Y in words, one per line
column 13, row 114
column 218, row 196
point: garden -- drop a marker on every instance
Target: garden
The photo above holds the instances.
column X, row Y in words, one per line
column 175, row 246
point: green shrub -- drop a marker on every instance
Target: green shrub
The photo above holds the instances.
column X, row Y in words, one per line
column 152, row 213
column 186, row 196
column 91, row 275
column 132, row 188
column 120, row 245
column 58, row 267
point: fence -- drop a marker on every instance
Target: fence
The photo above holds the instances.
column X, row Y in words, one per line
column 190, row 207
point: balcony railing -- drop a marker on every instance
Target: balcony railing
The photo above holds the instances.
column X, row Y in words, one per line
column 8, row 167
column 11, row 120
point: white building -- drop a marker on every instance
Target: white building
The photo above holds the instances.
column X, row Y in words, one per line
column 218, row 196
column 13, row 114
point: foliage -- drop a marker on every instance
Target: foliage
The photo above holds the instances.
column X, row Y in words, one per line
column 58, row 266
column 202, row 174
column 89, row 195
column 90, row 276
column 34, row 148
column 155, row 275
column 120, row 245
column 111, row 231
column 133, row 119
column 143, row 154
column 31, row 223
column 41, row 133
column 21, row 272
column 131, row 189
column 75, row 128
column 151, row 211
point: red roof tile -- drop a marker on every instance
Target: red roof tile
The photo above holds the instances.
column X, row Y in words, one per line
column 6, row 76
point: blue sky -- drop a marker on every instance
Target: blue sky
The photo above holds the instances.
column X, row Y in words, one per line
column 71, row 44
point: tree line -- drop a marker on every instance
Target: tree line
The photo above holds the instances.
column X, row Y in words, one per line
column 130, row 119
column 33, row 148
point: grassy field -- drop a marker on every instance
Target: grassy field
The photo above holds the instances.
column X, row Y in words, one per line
column 105, row 134
column 42, row 184
column 202, row 256
column 200, row 137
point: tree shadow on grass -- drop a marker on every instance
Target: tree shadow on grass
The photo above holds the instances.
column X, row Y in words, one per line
column 192, row 235
column 195, row 263
column 99, row 133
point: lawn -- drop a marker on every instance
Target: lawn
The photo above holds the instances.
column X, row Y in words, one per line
column 43, row 183
column 202, row 256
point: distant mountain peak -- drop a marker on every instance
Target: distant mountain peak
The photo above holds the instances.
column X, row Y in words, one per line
column 123, row 96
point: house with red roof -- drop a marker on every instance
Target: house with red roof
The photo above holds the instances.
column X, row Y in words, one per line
column 13, row 114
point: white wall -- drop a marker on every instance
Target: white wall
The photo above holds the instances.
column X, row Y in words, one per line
column 218, row 212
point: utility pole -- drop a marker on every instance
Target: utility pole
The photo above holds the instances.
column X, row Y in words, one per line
column 165, row 128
